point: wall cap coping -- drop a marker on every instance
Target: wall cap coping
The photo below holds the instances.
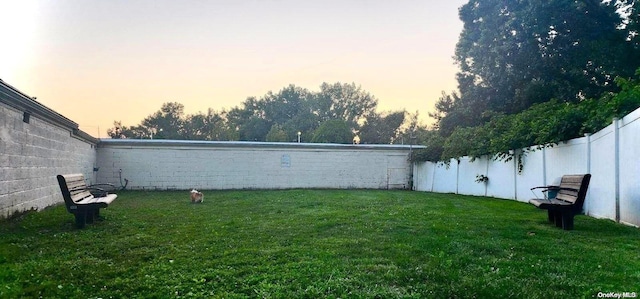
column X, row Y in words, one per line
column 251, row 144
column 13, row 97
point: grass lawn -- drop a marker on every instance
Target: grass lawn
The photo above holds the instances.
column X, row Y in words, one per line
column 315, row 243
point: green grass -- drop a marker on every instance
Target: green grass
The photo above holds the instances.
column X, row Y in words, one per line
column 314, row 243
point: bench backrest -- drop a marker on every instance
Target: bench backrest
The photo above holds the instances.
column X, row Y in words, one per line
column 573, row 189
column 73, row 188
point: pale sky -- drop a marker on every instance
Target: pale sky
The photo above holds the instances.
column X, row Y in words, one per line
column 98, row 61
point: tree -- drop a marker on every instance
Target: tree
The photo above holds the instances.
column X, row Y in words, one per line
column 285, row 113
column 434, row 144
column 381, row 128
column 210, row 126
column 513, row 54
column 277, row 134
column 346, row 102
column 306, row 123
column 296, row 109
column 333, row 131
column 121, row 132
column 248, row 121
column 450, row 113
column 255, row 129
column 288, row 103
column 166, row 123
column 293, row 109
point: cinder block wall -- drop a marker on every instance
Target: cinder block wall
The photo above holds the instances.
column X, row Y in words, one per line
column 157, row 164
column 33, row 153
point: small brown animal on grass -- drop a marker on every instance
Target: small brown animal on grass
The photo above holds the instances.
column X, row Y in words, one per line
column 196, row 197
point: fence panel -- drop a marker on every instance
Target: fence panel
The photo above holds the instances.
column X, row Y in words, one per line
column 423, row 176
column 630, row 168
column 532, row 174
column 467, row 176
column 600, row 201
column 445, row 179
column 501, row 179
column 568, row 157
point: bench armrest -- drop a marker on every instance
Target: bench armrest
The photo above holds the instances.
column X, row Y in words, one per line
column 110, row 186
column 78, row 189
column 546, row 188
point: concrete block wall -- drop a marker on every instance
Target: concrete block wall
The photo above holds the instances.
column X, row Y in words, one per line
column 32, row 154
column 157, row 164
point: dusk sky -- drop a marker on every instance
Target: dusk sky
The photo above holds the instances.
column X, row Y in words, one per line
column 99, row 61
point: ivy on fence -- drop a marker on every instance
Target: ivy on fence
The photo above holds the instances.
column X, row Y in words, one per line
column 506, row 137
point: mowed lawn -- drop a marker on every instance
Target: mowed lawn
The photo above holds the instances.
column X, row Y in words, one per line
column 315, row 244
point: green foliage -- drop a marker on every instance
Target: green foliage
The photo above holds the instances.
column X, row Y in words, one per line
column 543, row 124
column 434, row 144
column 469, row 141
column 167, row 123
column 314, row 244
column 291, row 110
column 514, row 54
column 382, row 128
column 277, row 134
column 346, row 102
column 612, row 105
column 255, row 129
column 211, row 126
column 333, row 131
column 120, row 131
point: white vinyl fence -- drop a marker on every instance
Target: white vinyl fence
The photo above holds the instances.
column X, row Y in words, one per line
column 612, row 156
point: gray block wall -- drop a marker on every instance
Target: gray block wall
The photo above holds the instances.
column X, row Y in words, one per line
column 157, row 164
column 33, row 153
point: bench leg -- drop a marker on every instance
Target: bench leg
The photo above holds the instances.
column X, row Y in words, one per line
column 89, row 216
column 557, row 218
column 81, row 219
column 567, row 221
column 551, row 215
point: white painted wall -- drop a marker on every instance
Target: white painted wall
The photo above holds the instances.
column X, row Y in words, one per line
column 614, row 191
column 31, row 155
column 157, row 164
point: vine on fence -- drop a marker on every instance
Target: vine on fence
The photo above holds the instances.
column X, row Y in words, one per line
column 506, row 137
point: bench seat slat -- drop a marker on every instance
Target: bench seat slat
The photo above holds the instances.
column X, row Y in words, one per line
column 78, row 197
column 75, row 184
column 107, row 199
column 546, row 203
column 569, row 198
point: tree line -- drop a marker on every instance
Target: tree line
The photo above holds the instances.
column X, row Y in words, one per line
column 336, row 113
column 530, row 72
column 536, row 72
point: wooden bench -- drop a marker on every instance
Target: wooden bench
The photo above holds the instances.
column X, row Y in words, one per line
column 81, row 200
column 568, row 201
